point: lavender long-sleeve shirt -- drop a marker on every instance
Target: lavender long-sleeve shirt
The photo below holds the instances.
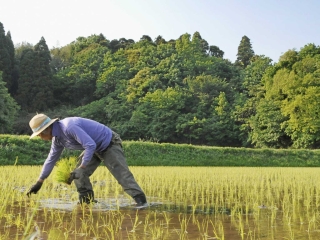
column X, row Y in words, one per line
column 76, row 133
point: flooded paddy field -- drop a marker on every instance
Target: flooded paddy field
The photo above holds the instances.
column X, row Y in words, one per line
column 184, row 203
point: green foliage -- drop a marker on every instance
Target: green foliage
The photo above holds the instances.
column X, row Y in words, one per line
column 94, row 110
column 254, row 72
column 310, row 50
column 253, row 92
column 82, row 43
column 288, row 59
column 61, row 58
column 281, row 106
column 144, row 82
column 164, row 110
column 77, row 81
column 159, row 40
column 176, row 91
column 8, row 109
column 20, row 49
column 27, row 151
column 266, row 126
column 114, row 68
column 12, row 81
column 245, row 52
column 154, row 91
column 7, row 60
column 197, row 40
column 216, row 52
column 122, row 43
column 35, row 71
column 295, row 82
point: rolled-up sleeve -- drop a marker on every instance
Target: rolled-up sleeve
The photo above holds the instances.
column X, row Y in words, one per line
column 53, row 157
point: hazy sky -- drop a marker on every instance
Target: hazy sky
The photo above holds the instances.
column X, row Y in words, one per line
column 273, row 26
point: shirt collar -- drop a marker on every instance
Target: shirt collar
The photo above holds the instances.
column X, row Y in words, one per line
column 56, row 131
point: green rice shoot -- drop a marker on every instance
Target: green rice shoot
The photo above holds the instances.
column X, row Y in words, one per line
column 63, row 169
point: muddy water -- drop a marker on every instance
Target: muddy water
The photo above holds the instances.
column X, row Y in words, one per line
column 118, row 219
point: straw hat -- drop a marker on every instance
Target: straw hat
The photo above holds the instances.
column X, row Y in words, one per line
column 39, row 123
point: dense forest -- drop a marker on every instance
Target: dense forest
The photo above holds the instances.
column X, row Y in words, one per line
column 177, row 91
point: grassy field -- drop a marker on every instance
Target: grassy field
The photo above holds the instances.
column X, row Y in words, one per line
column 185, row 203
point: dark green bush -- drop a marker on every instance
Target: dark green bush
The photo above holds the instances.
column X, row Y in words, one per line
column 24, row 151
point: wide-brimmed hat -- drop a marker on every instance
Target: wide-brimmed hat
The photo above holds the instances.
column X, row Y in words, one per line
column 39, row 123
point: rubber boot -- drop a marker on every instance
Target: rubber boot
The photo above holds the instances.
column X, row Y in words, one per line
column 141, row 201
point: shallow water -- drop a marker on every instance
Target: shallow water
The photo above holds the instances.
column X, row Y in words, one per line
column 118, row 219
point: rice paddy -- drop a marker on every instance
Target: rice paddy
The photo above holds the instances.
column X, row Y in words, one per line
column 185, row 203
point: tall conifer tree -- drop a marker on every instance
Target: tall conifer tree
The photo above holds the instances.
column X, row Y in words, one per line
column 5, row 58
column 245, row 52
column 35, row 82
column 11, row 82
column 25, row 90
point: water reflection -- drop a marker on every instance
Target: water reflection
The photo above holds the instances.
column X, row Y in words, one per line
column 118, row 219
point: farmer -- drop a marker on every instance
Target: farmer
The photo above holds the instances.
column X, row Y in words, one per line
column 99, row 143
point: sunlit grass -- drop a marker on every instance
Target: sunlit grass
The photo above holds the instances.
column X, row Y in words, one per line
column 195, row 203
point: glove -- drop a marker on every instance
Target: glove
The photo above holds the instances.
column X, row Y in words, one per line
column 75, row 175
column 34, row 189
column 71, row 177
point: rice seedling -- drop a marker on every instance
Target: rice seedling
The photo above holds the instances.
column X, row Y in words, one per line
column 63, row 169
column 186, row 203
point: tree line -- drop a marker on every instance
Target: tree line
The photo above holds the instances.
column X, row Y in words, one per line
column 177, row 91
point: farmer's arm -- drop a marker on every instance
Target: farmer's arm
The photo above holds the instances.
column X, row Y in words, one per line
column 86, row 142
column 53, row 157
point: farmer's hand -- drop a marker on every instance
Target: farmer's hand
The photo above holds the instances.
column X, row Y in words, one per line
column 75, row 174
column 35, row 188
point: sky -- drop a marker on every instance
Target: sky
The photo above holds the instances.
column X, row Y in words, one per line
column 273, row 26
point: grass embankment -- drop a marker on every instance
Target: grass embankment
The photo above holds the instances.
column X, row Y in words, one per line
column 35, row 151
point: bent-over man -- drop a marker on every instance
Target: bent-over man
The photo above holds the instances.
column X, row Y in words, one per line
column 99, row 143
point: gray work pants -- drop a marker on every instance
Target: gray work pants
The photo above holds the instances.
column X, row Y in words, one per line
column 114, row 159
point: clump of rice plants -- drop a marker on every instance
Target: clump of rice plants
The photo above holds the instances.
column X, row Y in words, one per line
column 64, row 167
